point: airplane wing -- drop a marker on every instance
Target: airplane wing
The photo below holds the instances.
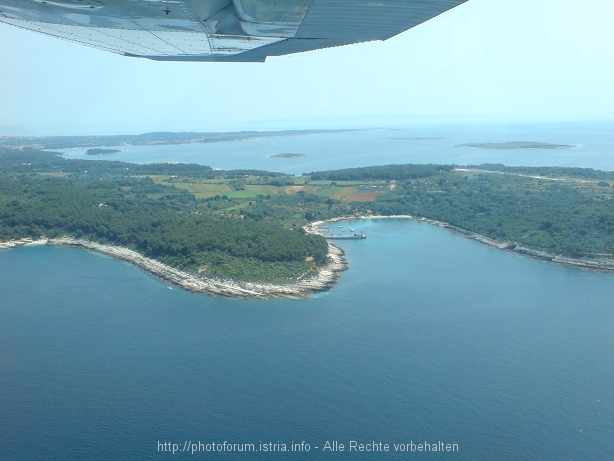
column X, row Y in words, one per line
column 219, row 30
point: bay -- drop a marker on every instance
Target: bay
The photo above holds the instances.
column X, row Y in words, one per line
column 429, row 336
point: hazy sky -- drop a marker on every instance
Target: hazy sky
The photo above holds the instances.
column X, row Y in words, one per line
column 487, row 59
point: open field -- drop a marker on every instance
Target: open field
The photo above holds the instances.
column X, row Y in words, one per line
column 356, row 191
column 362, row 197
column 252, row 188
column 203, row 190
column 343, row 193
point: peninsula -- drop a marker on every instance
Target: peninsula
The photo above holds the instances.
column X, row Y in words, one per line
column 149, row 139
column 248, row 233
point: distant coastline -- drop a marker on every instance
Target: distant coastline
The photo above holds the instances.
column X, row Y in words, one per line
column 288, row 155
column 516, row 145
column 413, row 139
column 152, row 139
column 324, row 280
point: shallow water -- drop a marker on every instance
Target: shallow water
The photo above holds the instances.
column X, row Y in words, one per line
column 429, row 336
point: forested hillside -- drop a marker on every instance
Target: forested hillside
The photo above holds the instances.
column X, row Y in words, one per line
column 567, row 211
column 247, row 224
column 162, row 222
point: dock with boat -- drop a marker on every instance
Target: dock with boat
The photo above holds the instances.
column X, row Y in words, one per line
column 324, row 231
column 345, row 237
column 353, row 236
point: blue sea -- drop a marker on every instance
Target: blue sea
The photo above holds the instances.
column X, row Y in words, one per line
column 429, row 337
column 593, row 148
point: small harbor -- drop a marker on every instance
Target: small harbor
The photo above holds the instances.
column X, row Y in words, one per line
column 345, row 237
column 318, row 229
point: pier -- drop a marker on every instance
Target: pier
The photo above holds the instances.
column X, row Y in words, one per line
column 345, row 237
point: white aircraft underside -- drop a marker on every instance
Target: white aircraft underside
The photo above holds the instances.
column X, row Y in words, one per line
column 219, row 30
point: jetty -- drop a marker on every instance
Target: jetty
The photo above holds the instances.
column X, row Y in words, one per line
column 345, row 237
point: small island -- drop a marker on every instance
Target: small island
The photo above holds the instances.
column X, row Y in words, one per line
column 517, row 145
column 288, row 155
column 99, row 151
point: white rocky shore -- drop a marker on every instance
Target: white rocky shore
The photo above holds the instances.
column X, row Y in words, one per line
column 324, row 280
column 600, row 264
column 299, row 289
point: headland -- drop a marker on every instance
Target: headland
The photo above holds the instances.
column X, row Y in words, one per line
column 301, row 288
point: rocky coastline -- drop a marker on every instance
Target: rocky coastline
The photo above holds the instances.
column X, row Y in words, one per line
column 324, row 280
column 601, row 264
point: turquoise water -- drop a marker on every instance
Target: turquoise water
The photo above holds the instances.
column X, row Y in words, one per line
column 429, row 336
column 594, row 148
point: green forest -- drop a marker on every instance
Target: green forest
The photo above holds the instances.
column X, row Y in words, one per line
column 104, row 202
column 564, row 211
column 247, row 224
